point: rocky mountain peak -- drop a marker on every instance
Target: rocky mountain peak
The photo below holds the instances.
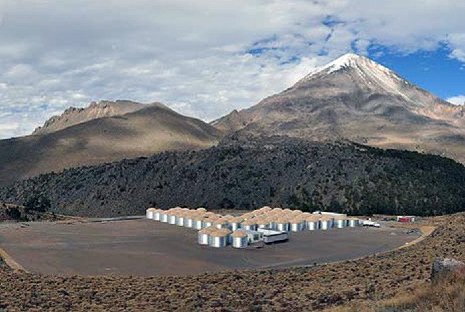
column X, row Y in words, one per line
column 73, row 115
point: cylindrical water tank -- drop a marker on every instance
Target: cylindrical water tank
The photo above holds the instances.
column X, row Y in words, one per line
column 149, row 213
column 296, row 225
column 239, row 239
column 198, row 222
column 313, row 225
column 249, row 225
column 204, row 235
column 156, row 215
column 353, row 222
column 189, row 220
column 325, row 223
column 282, row 225
column 180, row 219
column 219, row 238
column 164, row 216
column 340, row 223
column 172, row 218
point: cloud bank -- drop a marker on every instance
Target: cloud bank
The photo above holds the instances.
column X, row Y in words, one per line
column 202, row 58
column 457, row 100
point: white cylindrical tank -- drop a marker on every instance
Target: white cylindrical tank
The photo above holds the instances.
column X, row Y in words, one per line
column 239, row 239
column 221, row 223
column 340, row 223
column 282, row 225
column 353, row 222
column 172, row 218
column 204, row 235
column 189, row 221
column 180, row 219
column 156, row 215
column 325, row 223
column 249, row 225
column 313, row 225
column 207, row 222
column 235, row 223
column 219, row 238
column 197, row 223
column 164, row 216
column 149, row 213
column 296, row 225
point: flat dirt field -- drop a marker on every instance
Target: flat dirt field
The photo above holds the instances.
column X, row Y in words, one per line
column 147, row 248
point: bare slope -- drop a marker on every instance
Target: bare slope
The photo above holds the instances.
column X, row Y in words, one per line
column 357, row 99
column 140, row 133
column 73, row 116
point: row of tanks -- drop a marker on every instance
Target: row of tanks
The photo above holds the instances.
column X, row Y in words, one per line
column 264, row 224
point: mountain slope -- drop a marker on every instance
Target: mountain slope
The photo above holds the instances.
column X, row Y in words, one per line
column 150, row 130
column 73, row 116
column 242, row 173
column 357, row 99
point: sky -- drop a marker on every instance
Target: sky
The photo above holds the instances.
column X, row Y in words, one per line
column 206, row 58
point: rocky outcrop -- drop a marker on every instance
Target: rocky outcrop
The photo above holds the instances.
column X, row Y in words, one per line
column 442, row 267
column 74, row 116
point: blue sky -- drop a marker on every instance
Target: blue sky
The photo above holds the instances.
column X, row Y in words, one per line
column 434, row 71
column 205, row 58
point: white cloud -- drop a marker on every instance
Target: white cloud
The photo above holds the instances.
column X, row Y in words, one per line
column 457, row 100
column 193, row 55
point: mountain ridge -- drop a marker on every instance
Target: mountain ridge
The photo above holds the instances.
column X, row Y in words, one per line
column 152, row 129
column 74, row 115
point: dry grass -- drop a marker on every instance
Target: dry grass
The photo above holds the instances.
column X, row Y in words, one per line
column 448, row 294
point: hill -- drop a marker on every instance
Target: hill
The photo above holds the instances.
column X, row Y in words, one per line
column 152, row 129
column 357, row 99
column 74, row 116
column 242, row 173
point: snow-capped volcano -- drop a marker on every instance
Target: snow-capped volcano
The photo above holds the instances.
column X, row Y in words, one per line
column 357, row 99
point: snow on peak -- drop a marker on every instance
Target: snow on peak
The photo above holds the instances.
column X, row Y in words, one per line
column 364, row 71
column 350, row 60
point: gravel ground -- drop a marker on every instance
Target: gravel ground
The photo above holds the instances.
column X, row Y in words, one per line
column 148, row 248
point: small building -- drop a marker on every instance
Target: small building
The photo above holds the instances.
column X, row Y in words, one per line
column 405, row 219
column 254, row 236
column 239, row 239
column 270, row 236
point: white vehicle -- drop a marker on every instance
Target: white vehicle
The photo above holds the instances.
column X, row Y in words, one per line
column 370, row 223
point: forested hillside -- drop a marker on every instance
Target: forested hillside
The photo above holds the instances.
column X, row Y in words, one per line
column 245, row 173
